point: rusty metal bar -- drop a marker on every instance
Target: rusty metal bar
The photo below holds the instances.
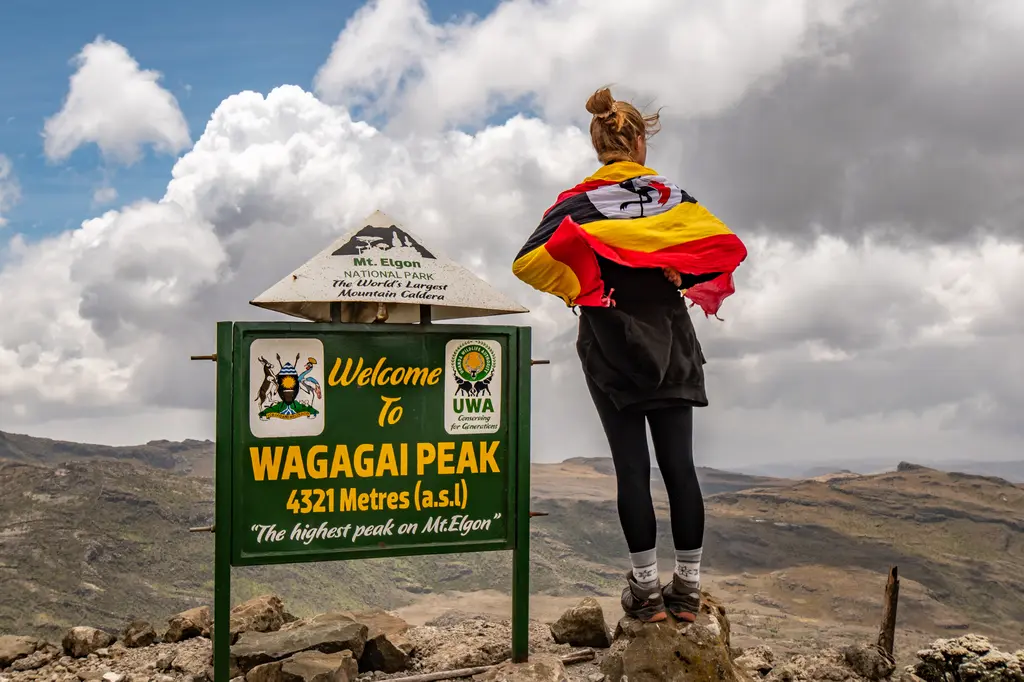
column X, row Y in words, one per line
column 212, row 356
column 202, row 529
column 540, row 362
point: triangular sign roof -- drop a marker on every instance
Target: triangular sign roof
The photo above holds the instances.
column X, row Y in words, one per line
column 381, row 262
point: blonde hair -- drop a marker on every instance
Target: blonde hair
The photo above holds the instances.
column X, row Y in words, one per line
column 616, row 126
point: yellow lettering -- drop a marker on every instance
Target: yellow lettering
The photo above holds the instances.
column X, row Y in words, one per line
column 376, row 371
column 397, row 376
column 265, row 465
column 383, row 378
column 445, row 457
column 386, row 462
column 404, row 449
column 417, row 374
column 435, row 376
column 347, row 499
column 467, row 458
column 487, row 455
column 341, row 463
column 349, row 375
column 425, row 454
column 366, row 375
column 364, row 470
column 388, row 402
column 364, row 501
column 293, row 463
column 317, row 468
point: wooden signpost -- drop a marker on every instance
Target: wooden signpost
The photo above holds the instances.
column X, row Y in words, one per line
column 344, row 438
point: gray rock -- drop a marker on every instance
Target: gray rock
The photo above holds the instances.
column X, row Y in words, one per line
column 113, row 677
column 758, row 660
column 34, row 661
column 596, row 677
column 308, row 666
column 13, row 647
column 139, row 633
column 541, row 668
column 195, row 622
column 257, row 648
column 380, row 653
column 651, row 652
column 869, row 662
column 164, row 661
column 583, row 625
column 80, row 642
column 970, row 658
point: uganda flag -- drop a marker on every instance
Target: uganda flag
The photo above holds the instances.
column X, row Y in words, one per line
column 630, row 215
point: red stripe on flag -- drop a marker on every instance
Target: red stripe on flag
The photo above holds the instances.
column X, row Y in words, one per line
column 718, row 253
column 568, row 245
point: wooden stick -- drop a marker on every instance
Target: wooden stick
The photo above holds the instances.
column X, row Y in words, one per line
column 887, row 632
column 570, row 659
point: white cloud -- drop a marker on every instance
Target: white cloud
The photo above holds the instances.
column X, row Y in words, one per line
column 695, row 58
column 838, row 345
column 10, row 190
column 116, row 306
column 104, row 195
column 116, row 105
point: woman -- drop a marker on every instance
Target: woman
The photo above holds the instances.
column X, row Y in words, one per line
column 625, row 246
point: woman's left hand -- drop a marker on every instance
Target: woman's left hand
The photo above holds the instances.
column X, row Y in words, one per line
column 673, row 276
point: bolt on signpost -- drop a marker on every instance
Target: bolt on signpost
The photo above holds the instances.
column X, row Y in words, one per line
column 344, row 438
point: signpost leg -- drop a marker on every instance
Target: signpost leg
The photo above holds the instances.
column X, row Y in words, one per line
column 521, row 554
column 222, row 508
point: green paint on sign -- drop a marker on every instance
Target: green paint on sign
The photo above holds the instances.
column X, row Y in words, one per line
column 360, row 440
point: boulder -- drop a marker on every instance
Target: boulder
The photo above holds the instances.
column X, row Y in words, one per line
column 380, row 653
column 541, row 668
column 195, row 622
column 971, row 658
column 81, row 641
column 137, row 634
column 260, row 614
column 13, row 647
column 328, row 637
column 671, row 650
column 308, row 666
column 42, row 656
column 583, row 625
column 387, row 649
column 758, row 660
column 870, row 662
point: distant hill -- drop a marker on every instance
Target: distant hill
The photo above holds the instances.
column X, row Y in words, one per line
column 188, row 456
column 1012, row 470
column 96, row 535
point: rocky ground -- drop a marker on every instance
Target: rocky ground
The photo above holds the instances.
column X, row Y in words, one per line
column 269, row 645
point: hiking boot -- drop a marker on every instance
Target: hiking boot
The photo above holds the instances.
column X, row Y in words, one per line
column 682, row 599
column 647, row 606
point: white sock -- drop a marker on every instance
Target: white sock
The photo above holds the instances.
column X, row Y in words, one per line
column 688, row 565
column 645, row 568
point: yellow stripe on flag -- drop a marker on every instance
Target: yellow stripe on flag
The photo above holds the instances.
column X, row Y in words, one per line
column 684, row 223
column 538, row 269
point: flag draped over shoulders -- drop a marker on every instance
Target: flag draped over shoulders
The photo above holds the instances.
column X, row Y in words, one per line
column 628, row 214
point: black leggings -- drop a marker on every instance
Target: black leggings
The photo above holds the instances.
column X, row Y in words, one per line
column 672, row 434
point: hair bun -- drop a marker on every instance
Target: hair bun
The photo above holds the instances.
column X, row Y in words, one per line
column 601, row 103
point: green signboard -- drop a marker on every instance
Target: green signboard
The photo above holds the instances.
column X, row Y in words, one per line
column 347, row 441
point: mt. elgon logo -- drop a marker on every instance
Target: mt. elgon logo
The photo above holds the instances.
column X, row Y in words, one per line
column 380, row 240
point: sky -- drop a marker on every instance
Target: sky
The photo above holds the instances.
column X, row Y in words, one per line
column 159, row 167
